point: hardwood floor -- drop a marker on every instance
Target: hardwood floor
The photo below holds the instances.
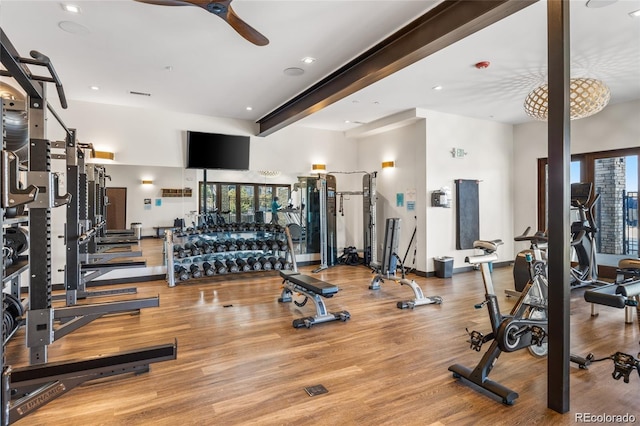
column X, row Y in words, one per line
column 241, row 362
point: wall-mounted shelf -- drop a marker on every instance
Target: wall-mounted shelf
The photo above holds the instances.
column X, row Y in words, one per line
column 176, row 192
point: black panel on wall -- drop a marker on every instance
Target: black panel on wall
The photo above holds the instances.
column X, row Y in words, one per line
column 467, row 213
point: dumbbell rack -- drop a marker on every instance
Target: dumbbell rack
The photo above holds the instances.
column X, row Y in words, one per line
column 179, row 245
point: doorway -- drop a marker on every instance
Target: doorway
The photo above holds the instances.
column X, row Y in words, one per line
column 116, row 208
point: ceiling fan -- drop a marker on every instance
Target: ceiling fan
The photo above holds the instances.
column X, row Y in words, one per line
column 223, row 10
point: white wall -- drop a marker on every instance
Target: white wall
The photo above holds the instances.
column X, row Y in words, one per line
column 422, row 152
column 615, row 127
column 406, row 147
column 489, row 160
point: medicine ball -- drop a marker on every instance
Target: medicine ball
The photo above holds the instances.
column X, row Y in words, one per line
column 15, row 121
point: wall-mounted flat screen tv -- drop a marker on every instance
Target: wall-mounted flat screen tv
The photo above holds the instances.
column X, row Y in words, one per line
column 217, row 151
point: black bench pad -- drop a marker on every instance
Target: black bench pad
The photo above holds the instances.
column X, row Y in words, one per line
column 605, row 295
column 312, row 284
column 629, row 289
column 614, row 295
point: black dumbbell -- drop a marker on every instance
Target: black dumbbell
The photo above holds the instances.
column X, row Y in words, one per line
column 254, row 264
column 192, row 248
column 231, row 266
column 243, row 265
column 178, row 251
column 195, row 271
column 181, row 272
column 285, row 263
column 208, row 269
column 220, row 267
column 266, row 265
column 275, row 263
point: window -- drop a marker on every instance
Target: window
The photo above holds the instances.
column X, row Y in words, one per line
column 614, row 175
column 239, row 202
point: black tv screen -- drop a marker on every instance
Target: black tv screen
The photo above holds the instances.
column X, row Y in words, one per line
column 217, row 151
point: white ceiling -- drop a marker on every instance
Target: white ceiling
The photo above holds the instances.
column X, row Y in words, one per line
column 123, row 45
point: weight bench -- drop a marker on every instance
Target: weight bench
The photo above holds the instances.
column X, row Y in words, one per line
column 313, row 289
column 624, row 293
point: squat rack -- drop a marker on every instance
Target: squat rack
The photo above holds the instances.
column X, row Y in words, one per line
column 23, row 390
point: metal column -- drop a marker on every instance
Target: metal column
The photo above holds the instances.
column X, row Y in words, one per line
column 559, row 142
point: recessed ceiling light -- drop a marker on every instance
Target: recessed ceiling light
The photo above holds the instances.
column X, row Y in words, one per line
column 293, row 71
column 94, row 88
column 168, row 68
column 347, row 121
column 72, row 8
column 437, row 87
column 73, row 27
column 635, row 13
column 249, row 108
column 308, row 60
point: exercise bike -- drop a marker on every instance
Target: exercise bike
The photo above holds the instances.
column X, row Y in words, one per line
column 524, row 327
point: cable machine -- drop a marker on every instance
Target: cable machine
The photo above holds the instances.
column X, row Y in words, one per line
column 327, row 214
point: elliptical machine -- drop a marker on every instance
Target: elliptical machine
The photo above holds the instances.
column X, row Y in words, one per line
column 583, row 231
column 524, row 327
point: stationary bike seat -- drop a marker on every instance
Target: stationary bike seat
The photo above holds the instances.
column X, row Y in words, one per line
column 629, row 264
column 487, row 246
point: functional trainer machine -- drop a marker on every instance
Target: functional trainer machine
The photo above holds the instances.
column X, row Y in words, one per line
column 387, row 269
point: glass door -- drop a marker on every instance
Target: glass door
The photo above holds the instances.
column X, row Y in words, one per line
column 615, row 179
column 247, row 203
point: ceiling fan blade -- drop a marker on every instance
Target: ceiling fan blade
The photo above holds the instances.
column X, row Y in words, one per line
column 221, row 8
column 244, row 29
column 166, row 2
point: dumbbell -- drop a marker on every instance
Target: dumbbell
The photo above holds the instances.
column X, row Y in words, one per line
column 272, row 244
column 192, row 248
column 178, row 251
column 195, row 271
column 203, row 246
column 208, row 269
column 266, row 265
column 181, row 272
column 231, row 266
column 254, row 264
column 220, row 267
column 262, row 245
column 283, row 246
column 276, row 264
column 242, row 245
column 251, row 244
column 285, row 263
column 243, row 265
column 231, row 245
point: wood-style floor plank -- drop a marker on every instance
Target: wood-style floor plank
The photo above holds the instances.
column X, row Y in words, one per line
column 246, row 364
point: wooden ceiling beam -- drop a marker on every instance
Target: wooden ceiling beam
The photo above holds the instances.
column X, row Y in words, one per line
column 446, row 23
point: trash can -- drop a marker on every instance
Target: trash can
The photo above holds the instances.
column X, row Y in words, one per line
column 137, row 229
column 443, row 266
